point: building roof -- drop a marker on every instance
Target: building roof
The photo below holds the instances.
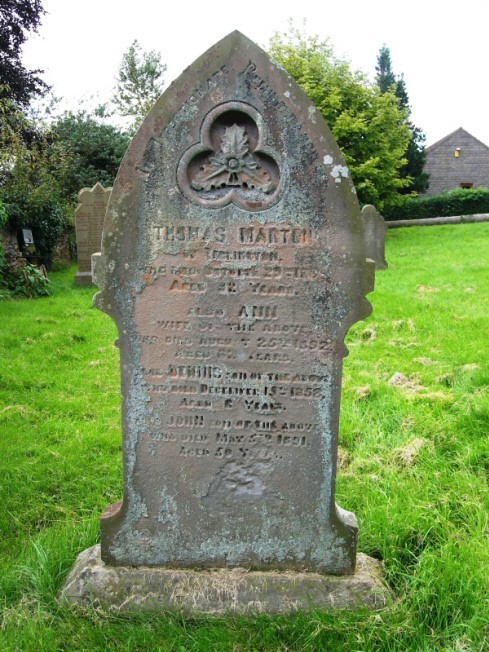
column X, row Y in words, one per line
column 460, row 131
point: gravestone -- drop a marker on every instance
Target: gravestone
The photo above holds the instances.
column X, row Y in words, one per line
column 375, row 228
column 89, row 221
column 233, row 264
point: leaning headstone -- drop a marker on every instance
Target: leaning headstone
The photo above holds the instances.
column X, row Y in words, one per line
column 89, row 221
column 233, row 263
column 375, row 228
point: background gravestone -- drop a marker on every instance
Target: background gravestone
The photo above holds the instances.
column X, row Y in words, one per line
column 375, row 229
column 233, row 263
column 89, row 221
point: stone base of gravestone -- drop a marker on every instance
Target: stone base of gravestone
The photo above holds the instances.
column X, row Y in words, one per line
column 83, row 278
column 220, row 591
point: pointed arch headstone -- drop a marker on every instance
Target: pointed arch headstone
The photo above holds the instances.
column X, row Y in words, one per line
column 375, row 229
column 89, row 221
column 233, row 264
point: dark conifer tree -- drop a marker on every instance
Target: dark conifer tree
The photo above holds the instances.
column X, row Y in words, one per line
column 385, row 77
column 415, row 153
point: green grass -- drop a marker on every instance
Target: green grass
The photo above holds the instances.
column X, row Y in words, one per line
column 414, row 464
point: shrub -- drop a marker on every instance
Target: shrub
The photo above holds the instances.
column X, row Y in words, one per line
column 460, row 201
column 44, row 213
column 19, row 280
column 23, row 281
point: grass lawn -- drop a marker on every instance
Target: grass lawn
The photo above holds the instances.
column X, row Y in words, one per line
column 414, row 458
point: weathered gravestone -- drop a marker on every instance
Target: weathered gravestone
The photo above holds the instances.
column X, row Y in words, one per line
column 89, row 221
column 375, row 228
column 233, row 263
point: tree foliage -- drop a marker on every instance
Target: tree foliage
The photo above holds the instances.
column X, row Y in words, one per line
column 139, row 83
column 40, row 176
column 416, row 159
column 385, row 77
column 14, row 127
column 413, row 170
column 368, row 125
column 17, row 19
column 95, row 150
column 32, row 186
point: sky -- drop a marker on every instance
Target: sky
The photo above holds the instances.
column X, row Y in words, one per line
column 441, row 48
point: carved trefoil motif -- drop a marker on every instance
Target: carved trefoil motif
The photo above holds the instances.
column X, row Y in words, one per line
column 231, row 164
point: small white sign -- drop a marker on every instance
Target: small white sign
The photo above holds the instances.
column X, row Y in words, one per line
column 28, row 237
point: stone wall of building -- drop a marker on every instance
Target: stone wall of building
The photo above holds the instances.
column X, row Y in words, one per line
column 456, row 161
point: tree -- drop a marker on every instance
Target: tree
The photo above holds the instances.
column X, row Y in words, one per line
column 412, row 171
column 44, row 164
column 32, row 192
column 368, row 125
column 416, row 159
column 13, row 125
column 139, row 83
column 385, row 77
column 95, row 150
column 17, row 19
column 32, row 168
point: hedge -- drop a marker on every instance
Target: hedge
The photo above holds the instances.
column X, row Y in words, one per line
column 460, row 201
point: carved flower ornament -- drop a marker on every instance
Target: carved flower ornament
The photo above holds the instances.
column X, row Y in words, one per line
column 233, row 165
column 235, row 171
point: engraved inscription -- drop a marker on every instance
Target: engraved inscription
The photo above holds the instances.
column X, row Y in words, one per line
column 234, row 351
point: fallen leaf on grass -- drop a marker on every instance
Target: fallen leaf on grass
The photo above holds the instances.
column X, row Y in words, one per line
column 401, row 344
column 422, row 289
column 368, row 334
column 401, row 323
column 403, row 382
column 446, row 379
column 343, row 458
column 408, row 422
column 363, row 392
column 23, row 410
column 441, row 397
column 408, row 454
column 470, row 367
